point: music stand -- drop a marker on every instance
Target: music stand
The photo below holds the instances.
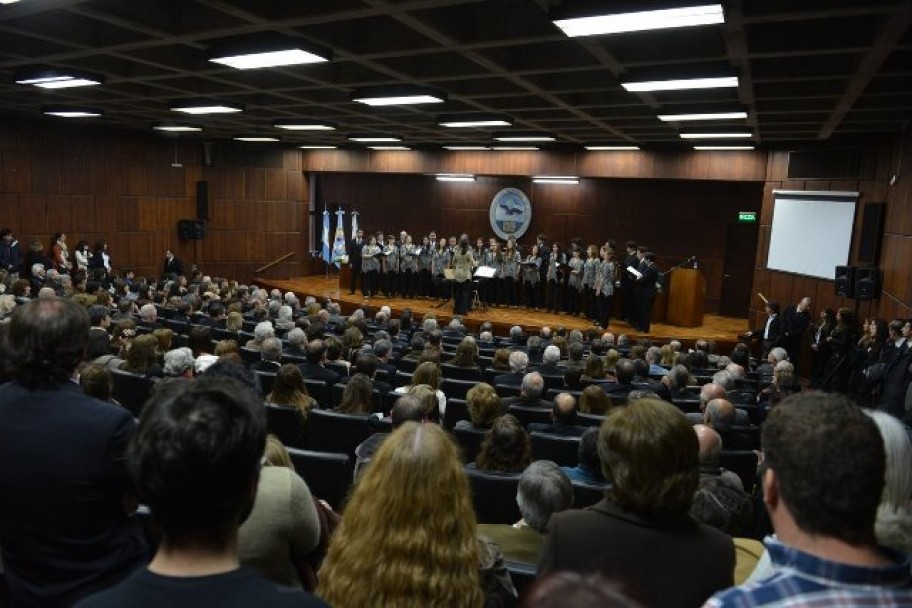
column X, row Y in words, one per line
column 448, row 279
column 482, row 274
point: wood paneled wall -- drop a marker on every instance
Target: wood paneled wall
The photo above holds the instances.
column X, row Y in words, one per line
column 873, row 187
column 896, row 250
column 93, row 183
column 676, row 218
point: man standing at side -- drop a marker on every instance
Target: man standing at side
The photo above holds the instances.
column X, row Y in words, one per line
column 822, row 482
column 64, row 527
column 196, row 463
column 354, row 248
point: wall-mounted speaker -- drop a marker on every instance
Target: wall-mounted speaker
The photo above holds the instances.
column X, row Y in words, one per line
column 191, row 230
column 867, row 283
column 202, row 200
column 845, row 281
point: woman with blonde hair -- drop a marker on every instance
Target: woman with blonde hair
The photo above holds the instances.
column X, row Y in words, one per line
column 427, row 373
column 289, row 390
column 422, row 555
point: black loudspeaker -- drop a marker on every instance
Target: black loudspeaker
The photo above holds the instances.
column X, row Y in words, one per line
column 867, row 283
column 202, row 200
column 845, row 281
column 199, row 230
column 871, row 231
column 185, row 229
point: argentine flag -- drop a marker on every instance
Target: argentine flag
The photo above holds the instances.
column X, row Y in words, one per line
column 326, row 248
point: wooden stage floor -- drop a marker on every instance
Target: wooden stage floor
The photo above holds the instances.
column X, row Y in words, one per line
column 725, row 331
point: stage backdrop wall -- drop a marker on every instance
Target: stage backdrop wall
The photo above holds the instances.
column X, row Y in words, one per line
column 93, row 183
column 676, row 218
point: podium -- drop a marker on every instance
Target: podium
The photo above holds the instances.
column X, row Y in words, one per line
column 686, row 294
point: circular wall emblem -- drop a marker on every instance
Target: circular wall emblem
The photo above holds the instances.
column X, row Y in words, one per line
column 511, row 213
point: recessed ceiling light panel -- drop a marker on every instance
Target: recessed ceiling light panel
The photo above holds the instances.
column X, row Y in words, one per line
column 681, row 84
column 619, row 23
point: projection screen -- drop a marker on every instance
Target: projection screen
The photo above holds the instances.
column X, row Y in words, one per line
column 811, row 232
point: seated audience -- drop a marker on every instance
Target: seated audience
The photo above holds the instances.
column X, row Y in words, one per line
column 484, row 407
column 289, row 390
column 563, row 418
column 142, row 358
column 96, row 381
column 179, row 363
column 506, row 447
column 196, row 463
column 530, row 392
column 825, row 551
column 270, row 356
column 642, row 532
column 589, row 467
column 543, row 490
column 426, row 373
column 283, row 527
column 408, row 408
column 358, row 397
column 720, row 416
column 422, row 554
column 594, row 400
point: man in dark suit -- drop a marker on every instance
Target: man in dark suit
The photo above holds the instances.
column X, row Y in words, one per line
column 897, row 373
column 65, row 523
column 644, row 287
column 533, row 385
column 624, row 372
column 313, row 368
column 628, row 297
column 172, row 265
column 720, row 416
column 795, row 321
column 270, row 357
column 353, row 247
column 563, row 418
column 770, row 334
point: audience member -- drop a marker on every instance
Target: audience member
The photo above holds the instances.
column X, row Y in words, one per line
column 531, row 390
column 543, row 490
column 823, row 476
column 64, row 517
column 594, row 400
column 589, row 467
column 408, row 408
column 563, row 418
column 506, row 447
column 642, row 531
column 484, row 406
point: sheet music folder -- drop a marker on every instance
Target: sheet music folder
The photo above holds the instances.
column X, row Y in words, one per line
column 485, row 272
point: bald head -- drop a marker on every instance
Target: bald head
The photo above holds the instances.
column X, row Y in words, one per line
column 720, row 415
column 709, row 392
column 710, row 445
column 563, row 410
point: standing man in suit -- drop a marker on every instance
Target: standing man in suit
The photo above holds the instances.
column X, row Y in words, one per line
column 770, row 334
column 628, row 303
column 644, row 289
column 795, row 321
column 354, row 247
column 65, row 523
column 172, row 265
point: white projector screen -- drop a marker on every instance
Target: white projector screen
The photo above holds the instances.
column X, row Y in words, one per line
column 811, row 232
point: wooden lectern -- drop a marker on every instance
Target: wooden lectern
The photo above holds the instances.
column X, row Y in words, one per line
column 686, row 295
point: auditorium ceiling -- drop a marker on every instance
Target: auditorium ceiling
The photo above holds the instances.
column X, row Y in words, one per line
column 808, row 70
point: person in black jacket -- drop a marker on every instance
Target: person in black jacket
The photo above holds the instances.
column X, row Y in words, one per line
column 644, row 287
column 172, row 265
column 770, row 335
column 795, row 321
column 353, row 248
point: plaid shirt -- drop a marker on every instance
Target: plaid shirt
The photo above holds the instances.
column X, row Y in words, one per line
column 802, row 579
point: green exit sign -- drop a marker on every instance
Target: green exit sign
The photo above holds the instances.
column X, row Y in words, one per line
column 747, row 216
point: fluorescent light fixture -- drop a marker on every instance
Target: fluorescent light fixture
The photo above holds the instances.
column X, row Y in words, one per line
column 706, row 116
column 401, row 100
column 468, row 121
column 374, row 139
column 681, row 84
column 729, row 135
column 530, row 137
column 68, row 112
column 317, row 147
column 516, row 148
column 176, row 128
column 723, row 147
column 196, row 106
column 397, row 96
column 455, row 177
column 690, row 16
column 569, row 180
column 303, row 125
column 254, row 138
column 466, row 148
column 269, row 59
column 8, row 1
column 389, row 148
column 58, row 79
column 611, row 148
